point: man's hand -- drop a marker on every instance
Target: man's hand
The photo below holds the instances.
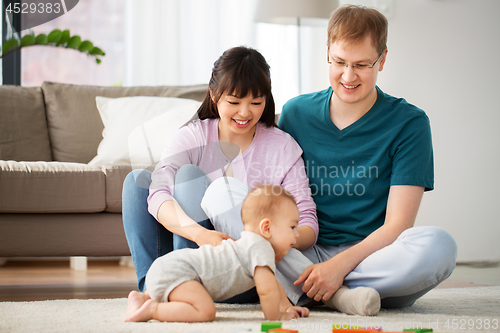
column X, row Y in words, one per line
column 210, row 237
column 322, row 280
column 294, row 312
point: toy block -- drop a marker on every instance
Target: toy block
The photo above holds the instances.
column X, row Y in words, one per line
column 268, row 325
column 344, row 327
column 418, row 330
column 283, row 330
column 352, row 330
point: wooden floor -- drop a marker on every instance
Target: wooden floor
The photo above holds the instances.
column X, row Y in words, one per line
column 49, row 280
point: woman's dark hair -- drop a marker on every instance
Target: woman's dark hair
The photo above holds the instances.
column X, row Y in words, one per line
column 239, row 71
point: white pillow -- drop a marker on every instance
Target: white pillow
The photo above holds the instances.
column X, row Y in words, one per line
column 136, row 129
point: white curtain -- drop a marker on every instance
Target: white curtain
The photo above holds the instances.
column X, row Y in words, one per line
column 278, row 43
column 175, row 42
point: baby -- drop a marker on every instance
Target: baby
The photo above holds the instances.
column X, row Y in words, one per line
column 182, row 285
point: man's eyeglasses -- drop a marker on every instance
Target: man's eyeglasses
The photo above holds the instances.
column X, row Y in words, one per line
column 356, row 67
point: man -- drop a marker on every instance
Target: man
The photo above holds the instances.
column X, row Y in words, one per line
column 369, row 159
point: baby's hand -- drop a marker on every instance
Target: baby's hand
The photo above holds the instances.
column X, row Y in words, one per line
column 294, row 312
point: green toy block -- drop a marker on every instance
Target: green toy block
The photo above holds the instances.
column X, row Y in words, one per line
column 418, row 330
column 267, row 325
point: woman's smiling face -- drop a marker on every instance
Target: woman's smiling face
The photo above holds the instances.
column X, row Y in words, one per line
column 239, row 115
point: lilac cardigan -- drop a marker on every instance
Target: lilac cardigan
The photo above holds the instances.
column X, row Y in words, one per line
column 273, row 157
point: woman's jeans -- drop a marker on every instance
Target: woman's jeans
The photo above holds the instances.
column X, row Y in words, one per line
column 148, row 239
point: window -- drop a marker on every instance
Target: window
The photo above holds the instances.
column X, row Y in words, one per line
column 101, row 22
column 11, row 64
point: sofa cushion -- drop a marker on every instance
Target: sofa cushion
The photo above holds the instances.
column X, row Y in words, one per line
column 136, row 128
column 51, row 187
column 75, row 127
column 23, row 127
column 115, row 175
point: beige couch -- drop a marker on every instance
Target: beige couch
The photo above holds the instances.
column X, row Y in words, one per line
column 52, row 203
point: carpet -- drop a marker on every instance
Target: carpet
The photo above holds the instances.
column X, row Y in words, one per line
column 474, row 309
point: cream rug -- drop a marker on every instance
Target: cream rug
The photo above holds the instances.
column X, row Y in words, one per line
column 474, row 309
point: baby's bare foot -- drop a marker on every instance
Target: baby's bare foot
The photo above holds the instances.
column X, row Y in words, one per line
column 135, row 301
column 145, row 312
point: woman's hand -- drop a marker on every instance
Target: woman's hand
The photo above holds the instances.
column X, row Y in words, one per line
column 174, row 219
column 210, row 237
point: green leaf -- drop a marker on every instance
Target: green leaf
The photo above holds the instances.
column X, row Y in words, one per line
column 86, row 46
column 27, row 40
column 74, row 42
column 96, row 51
column 9, row 44
column 54, row 36
column 41, row 39
column 64, row 37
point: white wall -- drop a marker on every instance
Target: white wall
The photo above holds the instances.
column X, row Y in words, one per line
column 444, row 57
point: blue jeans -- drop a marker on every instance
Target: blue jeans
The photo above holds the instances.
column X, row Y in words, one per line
column 147, row 238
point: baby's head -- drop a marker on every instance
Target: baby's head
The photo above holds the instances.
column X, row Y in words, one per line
column 271, row 211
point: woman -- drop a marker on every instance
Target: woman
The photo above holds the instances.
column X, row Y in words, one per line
column 211, row 163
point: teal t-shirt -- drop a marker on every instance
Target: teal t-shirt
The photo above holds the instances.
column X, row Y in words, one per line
column 351, row 170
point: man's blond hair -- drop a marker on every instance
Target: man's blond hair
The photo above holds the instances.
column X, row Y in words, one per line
column 352, row 23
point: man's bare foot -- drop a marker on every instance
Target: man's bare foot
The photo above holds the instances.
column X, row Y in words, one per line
column 145, row 312
column 135, row 301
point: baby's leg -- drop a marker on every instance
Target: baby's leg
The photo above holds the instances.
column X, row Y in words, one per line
column 357, row 301
column 188, row 302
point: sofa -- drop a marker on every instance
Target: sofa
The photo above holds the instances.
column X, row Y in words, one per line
column 53, row 200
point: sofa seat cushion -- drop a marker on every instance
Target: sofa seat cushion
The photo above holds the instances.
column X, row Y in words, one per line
column 74, row 123
column 115, row 175
column 23, row 128
column 51, row 187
